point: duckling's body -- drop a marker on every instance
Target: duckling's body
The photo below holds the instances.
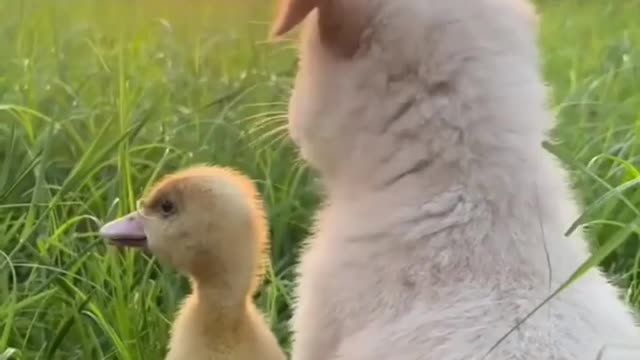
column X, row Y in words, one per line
column 244, row 335
column 209, row 224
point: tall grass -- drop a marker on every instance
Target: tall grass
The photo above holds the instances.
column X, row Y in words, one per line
column 100, row 98
column 593, row 64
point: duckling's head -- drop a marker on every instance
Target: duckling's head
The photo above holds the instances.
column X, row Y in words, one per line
column 207, row 222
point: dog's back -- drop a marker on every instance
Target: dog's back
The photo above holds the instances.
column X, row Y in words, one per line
column 434, row 242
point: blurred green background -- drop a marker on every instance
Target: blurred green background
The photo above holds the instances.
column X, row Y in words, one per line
column 100, row 98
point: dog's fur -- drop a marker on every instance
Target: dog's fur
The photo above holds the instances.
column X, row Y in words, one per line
column 444, row 219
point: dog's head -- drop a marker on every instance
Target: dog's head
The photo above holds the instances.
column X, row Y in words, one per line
column 382, row 83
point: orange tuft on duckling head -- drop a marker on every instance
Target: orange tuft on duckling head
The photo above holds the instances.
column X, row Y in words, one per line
column 208, row 223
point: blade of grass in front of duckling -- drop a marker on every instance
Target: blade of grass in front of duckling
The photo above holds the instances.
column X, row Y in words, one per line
column 40, row 194
column 24, row 115
column 126, row 189
column 123, row 116
column 21, row 175
column 10, row 304
column 5, row 311
column 93, row 312
column 158, row 168
column 64, row 327
column 90, row 162
column 10, row 235
column 79, row 175
column 61, row 229
column 79, row 258
column 70, row 181
column 10, row 354
column 149, row 310
column 96, row 316
column 37, row 295
column 8, row 161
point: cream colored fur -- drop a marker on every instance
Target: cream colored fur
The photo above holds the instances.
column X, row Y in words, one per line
column 444, row 217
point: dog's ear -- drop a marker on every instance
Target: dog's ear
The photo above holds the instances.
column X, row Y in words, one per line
column 291, row 13
column 341, row 23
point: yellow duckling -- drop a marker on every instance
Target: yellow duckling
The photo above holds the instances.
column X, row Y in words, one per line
column 209, row 224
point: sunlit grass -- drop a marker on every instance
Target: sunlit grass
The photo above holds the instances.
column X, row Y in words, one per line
column 100, row 98
column 593, row 64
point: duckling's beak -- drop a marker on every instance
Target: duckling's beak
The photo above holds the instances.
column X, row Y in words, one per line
column 126, row 231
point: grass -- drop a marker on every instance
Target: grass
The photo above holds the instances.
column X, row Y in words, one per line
column 100, row 98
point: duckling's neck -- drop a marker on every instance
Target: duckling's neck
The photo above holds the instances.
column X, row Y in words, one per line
column 221, row 295
column 215, row 309
column 210, row 323
column 219, row 281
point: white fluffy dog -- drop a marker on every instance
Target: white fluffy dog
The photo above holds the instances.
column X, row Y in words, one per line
column 444, row 219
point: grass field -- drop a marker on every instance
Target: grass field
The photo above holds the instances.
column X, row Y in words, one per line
column 100, row 98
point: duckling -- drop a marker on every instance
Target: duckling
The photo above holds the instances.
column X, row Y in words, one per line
column 209, row 224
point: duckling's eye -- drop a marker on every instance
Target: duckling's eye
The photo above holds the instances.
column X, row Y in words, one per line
column 167, row 207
